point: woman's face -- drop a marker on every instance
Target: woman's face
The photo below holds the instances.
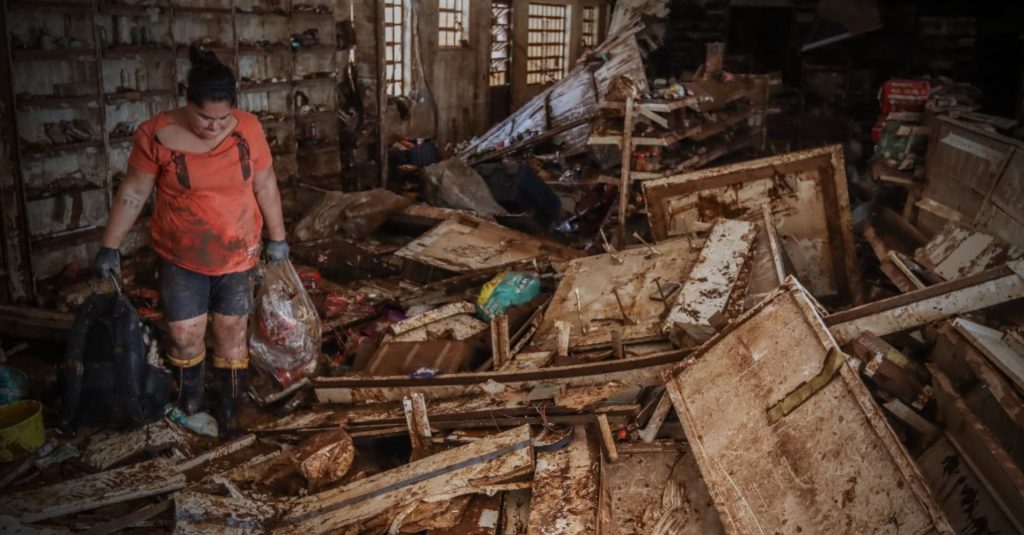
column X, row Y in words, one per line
column 211, row 119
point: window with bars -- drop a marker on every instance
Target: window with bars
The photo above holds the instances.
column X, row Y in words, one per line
column 589, row 19
column 501, row 51
column 547, row 38
column 452, row 16
column 396, row 67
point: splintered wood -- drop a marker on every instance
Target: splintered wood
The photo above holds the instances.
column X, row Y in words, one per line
column 708, row 290
column 566, row 489
column 639, row 280
column 831, row 465
column 495, row 459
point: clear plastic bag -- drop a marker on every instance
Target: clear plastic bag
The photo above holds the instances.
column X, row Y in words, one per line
column 285, row 336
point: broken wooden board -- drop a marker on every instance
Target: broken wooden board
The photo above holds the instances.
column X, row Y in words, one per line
column 403, row 358
column 920, row 307
column 640, row 371
column 965, row 499
column 648, row 488
column 149, row 478
column 465, row 244
column 974, row 441
column 197, row 513
column 635, row 274
column 495, row 459
column 957, row 252
column 767, row 262
column 430, row 316
column 566, row 489
column 806, row 193
column 480, row 518
column 1003, row 350
column 108, row 448
column 527, row 361
column 831, row 465
column 711, row 286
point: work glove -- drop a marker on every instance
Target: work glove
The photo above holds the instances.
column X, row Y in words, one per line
column 108, row 263
column 277, row 250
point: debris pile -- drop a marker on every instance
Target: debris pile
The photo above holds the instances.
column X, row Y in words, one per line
column 739, row 360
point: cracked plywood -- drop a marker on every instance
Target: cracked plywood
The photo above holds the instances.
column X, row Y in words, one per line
column 784, row 477
column 597, row 278
column 465, row 244
column 806, row 194
column 566, row 489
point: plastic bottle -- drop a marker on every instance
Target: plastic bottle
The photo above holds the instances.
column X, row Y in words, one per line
column 200, row 422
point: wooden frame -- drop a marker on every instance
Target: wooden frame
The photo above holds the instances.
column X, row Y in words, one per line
column 806, row 193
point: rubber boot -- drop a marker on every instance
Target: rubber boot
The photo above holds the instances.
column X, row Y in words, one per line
column 229, row 384
column 190, row 388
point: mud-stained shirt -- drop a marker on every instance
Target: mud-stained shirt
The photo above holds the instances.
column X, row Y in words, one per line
column 205, row 218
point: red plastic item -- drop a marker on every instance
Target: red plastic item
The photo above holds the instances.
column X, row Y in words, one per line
column 904, row 95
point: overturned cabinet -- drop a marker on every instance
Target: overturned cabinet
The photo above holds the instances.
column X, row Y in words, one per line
column 805, row 193
column 787, row 437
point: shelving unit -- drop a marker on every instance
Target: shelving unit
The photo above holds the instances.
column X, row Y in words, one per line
column 130, row 63
column 715, row 117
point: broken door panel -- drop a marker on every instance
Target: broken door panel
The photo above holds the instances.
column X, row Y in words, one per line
column 831, row 465
column 806, row 193
column 634, row 275
column 465, row 244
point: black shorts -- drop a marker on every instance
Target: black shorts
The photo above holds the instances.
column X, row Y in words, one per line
column 186, row 294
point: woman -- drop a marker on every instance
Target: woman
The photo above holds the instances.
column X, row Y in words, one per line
column 216, row 188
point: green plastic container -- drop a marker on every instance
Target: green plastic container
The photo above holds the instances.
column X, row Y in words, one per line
column 21, row 429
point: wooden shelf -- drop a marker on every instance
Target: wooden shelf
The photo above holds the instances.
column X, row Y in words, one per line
column 71, row 237
column 222, row 52
column 263, row 13
column 316, row 49
column 131, row 51
column 47, row 193
column 327, row 14
column 330, row 144
column 57, row 150
column 266, row 87
column 307, row 82
column 269, row 50
column 226, row 11
column 60, row 54
column 53, row 101
column 137, row 96
column 56, row 7
column 125, row 10
column 317, row 116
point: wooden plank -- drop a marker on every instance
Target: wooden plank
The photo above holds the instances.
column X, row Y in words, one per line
column 495, row 459
column 650, row 431
column 994, row 467
column 28, row 322
column 131, row 519
column 916, row 308
column 981, row 370
column 464, row 244
column 831, row 465
column 806, row 193
column 959, row 252
column 528, row 361
column 515, row 513
column 593, row 278
column 501, row 353
column 566, row 489
column 716, row 275
column 419, row 424
column 480, row 518
column 149, row 478
column 604, row 430
column 431, row 316
column 625, row 185
column 1002, row 350
column 108, row 448
column 640, row 371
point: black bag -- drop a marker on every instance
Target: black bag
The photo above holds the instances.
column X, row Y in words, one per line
column 106, row 379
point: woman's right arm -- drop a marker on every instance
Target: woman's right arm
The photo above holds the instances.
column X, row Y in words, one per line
column 128, row 203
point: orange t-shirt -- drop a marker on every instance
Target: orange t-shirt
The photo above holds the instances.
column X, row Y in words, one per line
column 206, row 218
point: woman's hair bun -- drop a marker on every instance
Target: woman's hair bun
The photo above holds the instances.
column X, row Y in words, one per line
column 201, row 56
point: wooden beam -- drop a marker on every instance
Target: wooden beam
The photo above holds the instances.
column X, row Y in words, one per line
column 1001, row 350
column 920, row 307
column 501, row 353
column 418, row 423
column 495, row 459
column 625, row 185
column 131, row 519
column 640, row 371
column 611, row 453
column 650, row 431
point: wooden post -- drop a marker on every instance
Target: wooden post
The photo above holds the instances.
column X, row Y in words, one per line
column 419, row 425
column 611, row 453
column 624, row 182
column 617, row 347
column 500, row 352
